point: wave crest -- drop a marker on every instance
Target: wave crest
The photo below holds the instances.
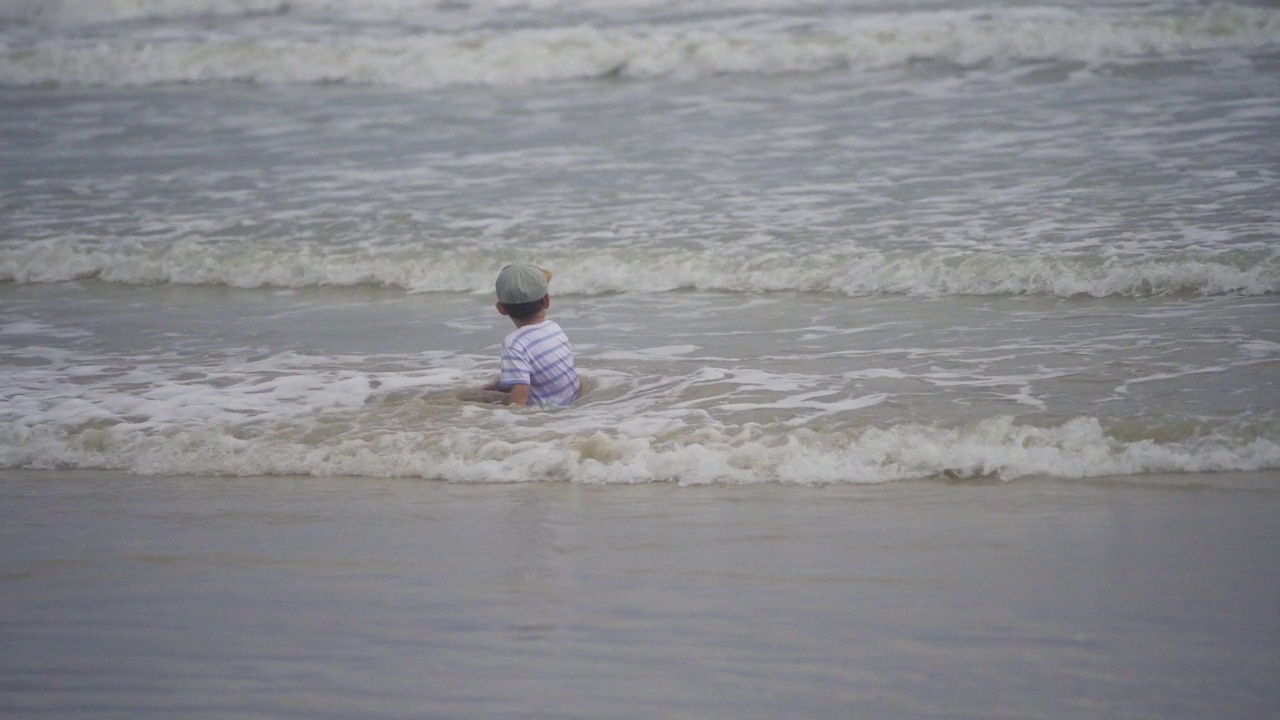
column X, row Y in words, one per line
column 525, row 56
column 852, row 273
column 993, row 449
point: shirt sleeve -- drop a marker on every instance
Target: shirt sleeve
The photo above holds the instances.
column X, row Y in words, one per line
column 516, row 366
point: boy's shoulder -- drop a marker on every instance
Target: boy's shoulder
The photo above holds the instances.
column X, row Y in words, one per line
column 536, row 331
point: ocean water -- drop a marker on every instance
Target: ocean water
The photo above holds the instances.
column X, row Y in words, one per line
column 999, row 279
column 793, row 242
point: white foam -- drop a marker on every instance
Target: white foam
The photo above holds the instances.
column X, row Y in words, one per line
column 76, row 12
column 604, row 271
column 697, row 48
column 291, row 413
column 35, row 328
column 1260, row 347
column 998, row 448
column 651, row 353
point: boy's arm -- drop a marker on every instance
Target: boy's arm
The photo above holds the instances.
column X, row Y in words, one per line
column 519, row 395
column 516, row 371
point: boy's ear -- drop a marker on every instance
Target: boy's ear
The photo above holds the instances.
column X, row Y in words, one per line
column 546, row 301
column 502, row 309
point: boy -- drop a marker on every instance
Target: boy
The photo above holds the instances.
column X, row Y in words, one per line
column 537, row 359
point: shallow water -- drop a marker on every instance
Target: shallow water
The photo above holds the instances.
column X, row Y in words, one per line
column 209, row 380
column 815, row 243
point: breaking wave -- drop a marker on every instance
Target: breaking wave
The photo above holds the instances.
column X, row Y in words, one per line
column 605, row 271
column 993, row 449
column 516, row 56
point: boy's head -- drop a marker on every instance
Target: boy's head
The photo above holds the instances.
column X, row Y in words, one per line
column 522, row 290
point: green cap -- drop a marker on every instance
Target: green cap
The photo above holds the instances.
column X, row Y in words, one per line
column 521, row 283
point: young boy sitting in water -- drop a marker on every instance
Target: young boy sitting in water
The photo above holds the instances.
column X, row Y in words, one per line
column 537, row 359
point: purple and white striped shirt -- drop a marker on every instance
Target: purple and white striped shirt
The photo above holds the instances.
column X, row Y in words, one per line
column 541, row 357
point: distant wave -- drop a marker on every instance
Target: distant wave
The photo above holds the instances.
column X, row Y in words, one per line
column 75, row 12
column 605, row 271
column 80, row 12
column 532, row 55
column 996, row 448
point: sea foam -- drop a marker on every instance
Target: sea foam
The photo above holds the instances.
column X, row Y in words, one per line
column 606, row 271
column 993, row 449
column 696, row 47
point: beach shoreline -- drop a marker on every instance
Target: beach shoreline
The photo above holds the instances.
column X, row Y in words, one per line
column 135, row 596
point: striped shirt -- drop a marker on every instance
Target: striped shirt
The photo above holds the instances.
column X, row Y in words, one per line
column 541, row 357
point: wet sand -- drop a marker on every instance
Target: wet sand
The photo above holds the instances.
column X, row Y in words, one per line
column 180, row 597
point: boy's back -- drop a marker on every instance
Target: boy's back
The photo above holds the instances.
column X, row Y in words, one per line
column 541, row 357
